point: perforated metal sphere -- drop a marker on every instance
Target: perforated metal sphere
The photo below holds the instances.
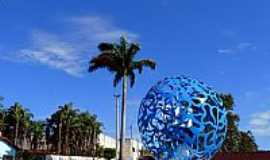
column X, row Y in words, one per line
column 182, row 117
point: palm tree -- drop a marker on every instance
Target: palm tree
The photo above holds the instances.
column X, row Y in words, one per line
column 61, row 123
column 2, row 115
column 19, row 118
column 67, row 116
column 37, row 133
column 71, row 132
column 119, row 58
column 95, row 131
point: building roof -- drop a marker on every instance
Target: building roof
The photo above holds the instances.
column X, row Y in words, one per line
column 9, row 142
column 260, row 155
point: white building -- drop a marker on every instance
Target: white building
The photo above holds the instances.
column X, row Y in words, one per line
column 106, row 141
column 131, row 150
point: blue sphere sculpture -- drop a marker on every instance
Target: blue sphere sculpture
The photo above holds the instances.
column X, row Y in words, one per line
column 183, row 119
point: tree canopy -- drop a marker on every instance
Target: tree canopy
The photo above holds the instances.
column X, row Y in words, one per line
column 236, row 140
column 67, row 131
column 119, row 58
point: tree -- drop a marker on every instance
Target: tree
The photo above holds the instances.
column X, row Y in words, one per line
column 119, row 58
column 36, row 134
column 231, row 143
column 17, row 121
column 236, row 140
column 71, row 132
column 109, row 153
column 2, row 115
column 60, row 124
column 84, row 133
column 68, row 115
column 145, row 152
column 247, row 142
column 67, row 131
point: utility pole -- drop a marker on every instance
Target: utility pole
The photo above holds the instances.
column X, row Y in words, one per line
column 116, row 97
column 131, row 140
column 131, row 130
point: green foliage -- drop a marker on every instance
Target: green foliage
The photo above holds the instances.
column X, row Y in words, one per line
column 119, row 58
column 68, row 131
column 247, row 142
column 72, row 132
column 109, row 153
column 99, row 151
column 236, row 140
column 25, row 155
column 37, row 134
column 2, row 115
column 145, row 152
column 17, row 120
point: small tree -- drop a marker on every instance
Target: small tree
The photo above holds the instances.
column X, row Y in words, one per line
column 145, row 152
column 109, row 153
column 236, row 140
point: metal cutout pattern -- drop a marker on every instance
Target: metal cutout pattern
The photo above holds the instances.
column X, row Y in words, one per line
column 182, row 118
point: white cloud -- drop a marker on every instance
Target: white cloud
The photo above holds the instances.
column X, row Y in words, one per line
column 50, row 50
column 104, row 29
column 245, row 45
column 239, row 48
column 225, row 51
column 70, row 49
column 260, row 123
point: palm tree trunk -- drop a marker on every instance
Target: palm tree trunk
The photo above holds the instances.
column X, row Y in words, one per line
column 116, row 126
column 16, row 133
column 123, row 116
column 59, row 144
column 67, row 140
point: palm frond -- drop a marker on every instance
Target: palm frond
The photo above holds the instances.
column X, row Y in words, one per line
column 123, row 43
column 105, row 46
column 117, row 78
column 132, row 51
column 148, row 63
column 122, row 48
column 104, row 60
column 119, row 58
column 132, row 78
column 95, row 67
column 143, row 63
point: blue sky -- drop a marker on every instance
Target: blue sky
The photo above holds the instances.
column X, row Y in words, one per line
column 45, row 47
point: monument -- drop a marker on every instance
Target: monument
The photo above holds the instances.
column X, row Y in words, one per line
column 181, row 118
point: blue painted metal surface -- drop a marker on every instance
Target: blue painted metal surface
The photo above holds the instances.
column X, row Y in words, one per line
column 183, row 119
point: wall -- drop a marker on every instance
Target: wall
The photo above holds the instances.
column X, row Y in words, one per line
column 106, row 141
column 132, row 149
